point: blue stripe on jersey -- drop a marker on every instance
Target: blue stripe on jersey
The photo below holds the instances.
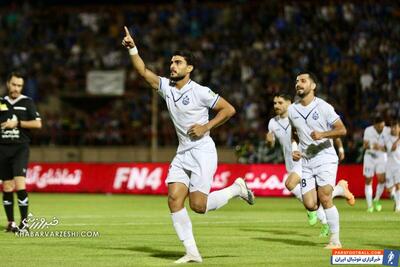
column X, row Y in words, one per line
column 305, row 118
column 331, row 123
column 173, row 97
column 215, row 102
column 284, row 128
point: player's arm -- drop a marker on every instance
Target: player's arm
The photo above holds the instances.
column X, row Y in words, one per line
column 338, row 130
column 32, row 124
column 224, row 111
column 269, row 136
column 395, row 144
column 137, row 62
column 270, row 139
column 339, row 146
column 296, row 154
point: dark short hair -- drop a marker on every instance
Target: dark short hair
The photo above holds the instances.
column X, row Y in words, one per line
column 394, row 121
column 284, row 95
column 312, row 76
column 187, row 55
column 14, row 74
column 378, row 118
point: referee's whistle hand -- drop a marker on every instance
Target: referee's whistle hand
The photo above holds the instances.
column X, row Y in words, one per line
column 10, row 124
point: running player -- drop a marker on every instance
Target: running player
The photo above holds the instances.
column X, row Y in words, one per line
column 279, row 128
column 192, row 170
column 315, row 123
column 393, row 164
column 374, row 162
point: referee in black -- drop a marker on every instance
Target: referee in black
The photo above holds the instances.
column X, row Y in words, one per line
column 17, row 116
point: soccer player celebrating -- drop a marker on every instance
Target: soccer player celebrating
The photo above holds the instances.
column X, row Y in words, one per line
column 375, row 158
column 18, row 116
column 192, row 170
column 393, row 163
column 280, row 128
column 315, row 123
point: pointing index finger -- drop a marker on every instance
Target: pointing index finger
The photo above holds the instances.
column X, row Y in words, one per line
column 127, row 31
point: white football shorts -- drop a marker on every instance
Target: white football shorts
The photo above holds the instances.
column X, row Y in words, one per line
column 195, row 168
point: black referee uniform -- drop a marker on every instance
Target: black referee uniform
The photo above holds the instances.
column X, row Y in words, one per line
column 14, row 148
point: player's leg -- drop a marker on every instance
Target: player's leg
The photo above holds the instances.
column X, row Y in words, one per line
column 308, row 190
column 6, row 174
column 380, row 187
column 178, row 189
column 8, row 203
column 397, row 196
column 22, row 195
column 201, row 178
column 326, row 177
column 368, row 172
column 292, row 183
column 177, row 193
column 342, row 189
column 20, row 165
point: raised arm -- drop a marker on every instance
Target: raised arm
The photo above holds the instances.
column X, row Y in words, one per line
column 137, row 61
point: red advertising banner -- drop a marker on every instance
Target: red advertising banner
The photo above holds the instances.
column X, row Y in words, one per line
column 149, row 178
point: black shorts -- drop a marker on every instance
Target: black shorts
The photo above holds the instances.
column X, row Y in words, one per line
column 13, row 160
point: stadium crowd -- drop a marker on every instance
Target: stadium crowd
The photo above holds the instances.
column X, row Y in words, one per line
column 245, row 51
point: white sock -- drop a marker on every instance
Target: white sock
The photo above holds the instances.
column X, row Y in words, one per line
column 321, row 214
column 332, row 217
column 219, row 198
column 379, row 190
column 393, row 192
column 183, row 228
column 297, row 193
column 368, row 195
column 397, row 199
column 338, row 191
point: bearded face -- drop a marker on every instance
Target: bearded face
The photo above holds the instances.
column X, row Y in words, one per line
column 304, row 85
column 179, row 68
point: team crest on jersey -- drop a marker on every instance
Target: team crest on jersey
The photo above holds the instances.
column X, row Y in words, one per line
column 315, row 115
column 185, row 100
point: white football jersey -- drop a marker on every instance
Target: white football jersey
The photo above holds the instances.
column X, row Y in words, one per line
column 317, row 116
column 188, row 106
column 373, row 137
column 282, row 130
column 393, row 156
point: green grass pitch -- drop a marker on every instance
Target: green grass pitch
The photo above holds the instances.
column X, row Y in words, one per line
column 137, row 231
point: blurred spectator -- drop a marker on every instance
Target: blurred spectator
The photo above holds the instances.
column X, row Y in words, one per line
column 246, row 51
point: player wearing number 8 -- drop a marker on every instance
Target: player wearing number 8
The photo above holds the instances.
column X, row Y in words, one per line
column 314, row 125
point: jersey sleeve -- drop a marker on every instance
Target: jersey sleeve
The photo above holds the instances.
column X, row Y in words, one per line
column 270, row 126
column 366, row 136
column 32, row 112
column 162, row 89
column 207, row 97
column 330, row 114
